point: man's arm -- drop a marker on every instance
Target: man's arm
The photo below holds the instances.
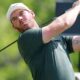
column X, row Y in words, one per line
column 76, row 43
column 60, row 24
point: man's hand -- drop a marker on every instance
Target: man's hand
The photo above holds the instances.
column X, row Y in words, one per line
column 76, row 3
column 76, row 43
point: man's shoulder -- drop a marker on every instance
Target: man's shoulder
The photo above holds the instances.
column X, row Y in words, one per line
column 30, row 37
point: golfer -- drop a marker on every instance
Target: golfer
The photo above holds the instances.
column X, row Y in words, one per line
column 44, row 49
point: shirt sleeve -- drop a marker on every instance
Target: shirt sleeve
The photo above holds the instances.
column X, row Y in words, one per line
column 30, row 41
column 68, row 42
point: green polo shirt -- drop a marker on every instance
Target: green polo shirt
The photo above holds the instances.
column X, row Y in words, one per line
column 46, row 61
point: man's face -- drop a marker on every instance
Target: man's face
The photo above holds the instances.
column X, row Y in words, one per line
column 22, row 19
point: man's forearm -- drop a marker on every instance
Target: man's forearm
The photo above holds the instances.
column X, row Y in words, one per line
column 70, row 16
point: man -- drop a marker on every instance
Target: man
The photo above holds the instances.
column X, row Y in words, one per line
column 46, row 54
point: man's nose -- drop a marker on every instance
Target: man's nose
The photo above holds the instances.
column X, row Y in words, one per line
column 20, row 18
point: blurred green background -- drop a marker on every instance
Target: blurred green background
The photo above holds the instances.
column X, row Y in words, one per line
column 12, row 66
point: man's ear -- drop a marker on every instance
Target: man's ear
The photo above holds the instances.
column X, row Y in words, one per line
column 17, row 29
column 33, row 14
column 12, row 24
